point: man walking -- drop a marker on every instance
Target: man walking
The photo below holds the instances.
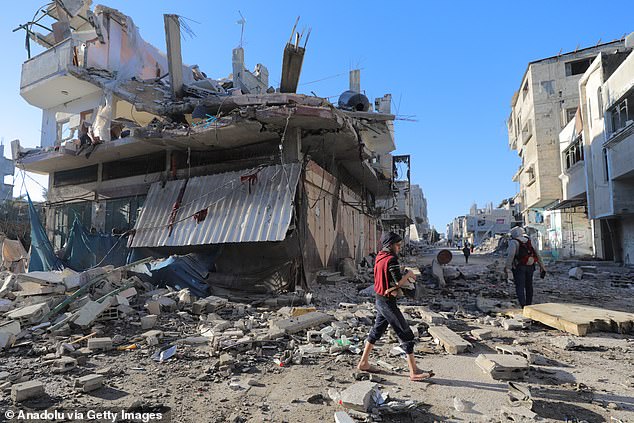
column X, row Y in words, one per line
column 467, row 252
column 387, row 283
column 521, row 258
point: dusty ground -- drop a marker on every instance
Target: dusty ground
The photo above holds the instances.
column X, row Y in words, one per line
column 594, row 382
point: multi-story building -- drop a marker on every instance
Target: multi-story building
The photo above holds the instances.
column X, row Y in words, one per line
column 546, row 101
column 419, row 211
column 271, row 184
column 606, row 130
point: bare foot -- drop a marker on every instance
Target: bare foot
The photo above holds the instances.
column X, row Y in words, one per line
column 421, row 375
column 368, row 368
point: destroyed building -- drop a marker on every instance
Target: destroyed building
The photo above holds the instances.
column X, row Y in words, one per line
column 270, row 185
column 6, row 169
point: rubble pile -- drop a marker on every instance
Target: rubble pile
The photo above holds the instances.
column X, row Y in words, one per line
column 69, row 336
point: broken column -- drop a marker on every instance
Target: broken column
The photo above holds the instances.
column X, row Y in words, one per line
column 174, row 58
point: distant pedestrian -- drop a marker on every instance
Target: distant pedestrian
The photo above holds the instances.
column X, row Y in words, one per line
column 467, row 252
column 387, row 282
column 521, row 258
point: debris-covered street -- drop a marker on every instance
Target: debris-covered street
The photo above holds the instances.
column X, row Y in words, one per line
column 305, row 213
column 277, row 359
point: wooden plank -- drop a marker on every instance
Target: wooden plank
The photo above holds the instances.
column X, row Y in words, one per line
column 580, row 319
column 449, row 340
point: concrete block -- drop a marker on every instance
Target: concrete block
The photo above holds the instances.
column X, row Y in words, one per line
column 360, row 396
column 343, row 417
column 89, row 383
column 306, row 321
column 502, row 366
column 449, row 340
column 432, row 317
column 153, row 307
column 576, row 273
column 100, row 344
column 149, row 321
column 512, row 324
column 64, row 364
column 482, row 334
column 26, row 390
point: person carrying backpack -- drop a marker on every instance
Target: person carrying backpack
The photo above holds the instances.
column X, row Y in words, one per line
column 521, row 258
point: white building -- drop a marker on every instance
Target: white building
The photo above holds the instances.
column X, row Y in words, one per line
column 607, row 112
column 546, row 101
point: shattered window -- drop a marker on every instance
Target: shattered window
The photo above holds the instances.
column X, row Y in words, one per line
column 578, row 67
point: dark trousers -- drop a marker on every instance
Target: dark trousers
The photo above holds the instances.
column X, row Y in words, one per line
column 388, row 313
column 466, row 258
column 523, row 276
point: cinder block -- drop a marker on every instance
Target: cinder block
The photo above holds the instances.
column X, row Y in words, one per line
column 26, row 390
column 89, row 382
column 100, row 344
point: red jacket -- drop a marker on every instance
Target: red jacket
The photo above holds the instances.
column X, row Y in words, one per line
column 387, row 272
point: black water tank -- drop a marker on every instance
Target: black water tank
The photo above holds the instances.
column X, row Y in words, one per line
column 352, row 100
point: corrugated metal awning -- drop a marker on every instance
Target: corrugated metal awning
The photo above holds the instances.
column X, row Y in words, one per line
column 247, row 206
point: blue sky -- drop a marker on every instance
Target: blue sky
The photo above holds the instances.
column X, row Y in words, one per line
column 454, row 65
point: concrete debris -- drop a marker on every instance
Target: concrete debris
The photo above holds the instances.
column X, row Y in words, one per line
column 26, row 390
column 449, row 340
column 502, row 366
column 576, row 273
column 361, row 396
column 343, row 417
column 303, row 322
column 89, row 383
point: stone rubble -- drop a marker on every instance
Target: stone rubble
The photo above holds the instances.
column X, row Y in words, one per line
column 101, row 342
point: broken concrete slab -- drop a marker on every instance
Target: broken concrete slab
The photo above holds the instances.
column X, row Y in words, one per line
column 517, row 414
column 360, row 396
column 580, row 319
column 515, row 324
column 154, row 307
column 448, row 339
column 513, row 350
column 31, row 314
column 100, row 344
column 89, row 312
column 503, row 366
column 26, row 390
column 89, row 383
column 306, row 321
column 8, row 333
column 482, row 334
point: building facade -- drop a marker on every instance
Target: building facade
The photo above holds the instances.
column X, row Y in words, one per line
column 607, row 132
column 545, row 103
